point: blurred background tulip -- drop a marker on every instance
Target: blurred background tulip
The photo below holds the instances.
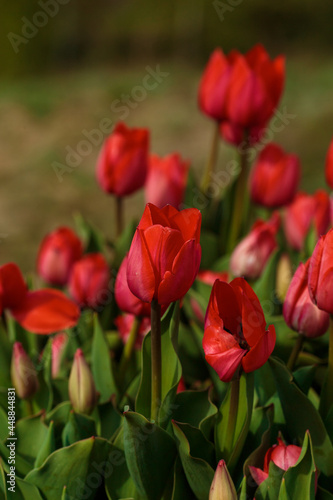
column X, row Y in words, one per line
column 274, row 177
column 166, row 180
column 57, row 254
column 23, row 373
column 90, row 281
column 81, row 386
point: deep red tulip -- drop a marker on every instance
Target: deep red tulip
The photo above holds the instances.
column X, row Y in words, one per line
column 235, row 330
column 166, row 180
column 306, row 210
column 299, row 312
column 242, row 92
column 57, row 254
column 123, row 161
column 124, row 324
column 41, row 311
column 321, row 273
column 282, row 455
column 251, row 255
column 165, row 254
column 275, row 177
column 23, row 373
column 125, row 299
column 90, row 281
column 208, row 277
column 329, row 165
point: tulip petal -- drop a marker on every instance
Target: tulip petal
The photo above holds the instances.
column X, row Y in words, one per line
column 163, row 244
column 176, row 283
column 46, row 311
column 14, row 288
column 251, row 307
column 259, row 353
column 188, row 222
column 153, row 215
column 140, row 272
column 258, row 475
column 314, row 269
column 223, row 308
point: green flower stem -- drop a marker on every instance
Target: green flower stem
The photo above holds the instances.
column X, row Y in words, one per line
column 156, row 359
column 240, row 199
column 129, row 347
column 210, row 165
column 295, row 352
column 232, row 420
column 119, row 216
column 326, row 400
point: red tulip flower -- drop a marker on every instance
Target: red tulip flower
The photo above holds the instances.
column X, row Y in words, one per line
column 321, row 273
column 125, row 299
column 282, row 455
column 165, row 254
column 241, row 92
column 306, row 210
column 251, row 255
column 329, row 165
column 274, row 178
column 166, row 180
column 235, row 330
column 41, row 311
column 123, row 161
column 208, row 277
column 57, row 254
column 299, row 312
column 89, row 280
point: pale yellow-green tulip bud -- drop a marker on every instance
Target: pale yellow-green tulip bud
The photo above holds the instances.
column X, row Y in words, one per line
column 81, row 386
column 222, row 487
column 23, row 373
column 283, row 276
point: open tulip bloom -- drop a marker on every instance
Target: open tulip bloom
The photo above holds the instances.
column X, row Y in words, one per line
column 235, row 330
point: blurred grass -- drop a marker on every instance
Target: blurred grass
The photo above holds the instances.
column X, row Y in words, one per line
column 40, row 117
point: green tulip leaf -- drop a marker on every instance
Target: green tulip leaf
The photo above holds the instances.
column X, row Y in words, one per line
column 198, row 472
column 47, row 447
column 77, row 428
column 269, row 489
column 101, row 365
column 81, row 467
column 150, row 455
column 300, row 479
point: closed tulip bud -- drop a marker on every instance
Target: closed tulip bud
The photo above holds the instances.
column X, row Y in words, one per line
column 222, row 487
column 123, row 161
column 282, row 455
column 235, row 333
column 329, row 165
column 299, row 312
column 304, row 211
column 166, row 181
column 321, row 273
column 251, row 255
column 283, row 276
column 89, row 281
column 81, row 386
column 59, row 342
column 165, row 254
column 23, row 373
column 275, row 177
column 57, row 254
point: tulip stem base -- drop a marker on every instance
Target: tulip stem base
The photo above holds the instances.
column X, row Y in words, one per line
column 210, row 165
column 156, row 359
column 240, row 200
column 119, row 216
column 129, row 347
column 326, row 400
column 295, row 352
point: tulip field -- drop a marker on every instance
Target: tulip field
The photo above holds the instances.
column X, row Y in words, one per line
column 190, row 355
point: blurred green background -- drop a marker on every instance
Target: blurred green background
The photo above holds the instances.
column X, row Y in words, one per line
column 65, row 62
